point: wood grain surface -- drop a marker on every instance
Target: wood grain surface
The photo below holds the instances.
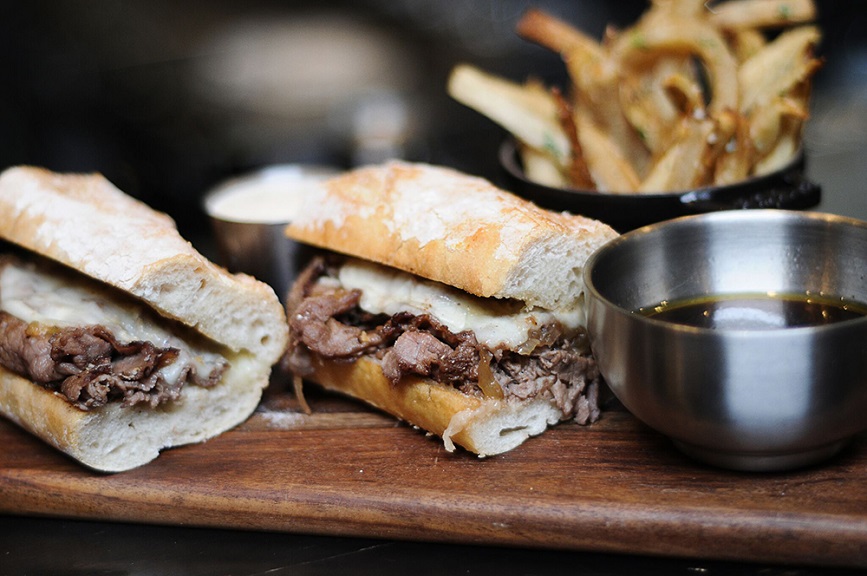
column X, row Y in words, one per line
column 615, row 486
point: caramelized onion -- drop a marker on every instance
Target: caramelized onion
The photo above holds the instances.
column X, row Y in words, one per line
column 545, row 335
column 487, row 383
column 527, row 347
column 298, row 385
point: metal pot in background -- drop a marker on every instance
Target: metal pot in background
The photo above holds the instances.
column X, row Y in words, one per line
column 248, row 215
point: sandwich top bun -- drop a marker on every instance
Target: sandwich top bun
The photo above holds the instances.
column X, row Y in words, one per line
column 454, row 228
column 87, row 224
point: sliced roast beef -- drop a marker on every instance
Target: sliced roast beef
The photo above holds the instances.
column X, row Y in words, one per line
column 561, row 370
column 88, row 366
column 325, row 320
column 419, row 351
column 87, row 363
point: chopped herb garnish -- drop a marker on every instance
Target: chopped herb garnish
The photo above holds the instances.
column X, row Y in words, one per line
column 637, row 40
column 549, row 144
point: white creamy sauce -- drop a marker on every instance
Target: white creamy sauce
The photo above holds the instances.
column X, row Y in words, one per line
column 496, row 323
column 271, row 196
column 66, row 301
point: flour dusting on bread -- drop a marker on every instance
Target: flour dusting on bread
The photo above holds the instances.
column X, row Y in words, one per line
column 454, row 228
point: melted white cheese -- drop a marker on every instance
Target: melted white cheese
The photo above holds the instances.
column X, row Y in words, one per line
column 496, row 323
column 63, row 300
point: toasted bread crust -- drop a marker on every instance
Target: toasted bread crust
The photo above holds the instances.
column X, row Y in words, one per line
column 453, row 228
column 85, row 222
column 483, row 426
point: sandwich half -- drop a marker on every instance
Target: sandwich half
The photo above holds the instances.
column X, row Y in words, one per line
column 118, row 338
column 446, row 302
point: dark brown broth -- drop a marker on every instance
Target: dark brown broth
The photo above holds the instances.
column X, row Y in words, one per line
column 756, row 311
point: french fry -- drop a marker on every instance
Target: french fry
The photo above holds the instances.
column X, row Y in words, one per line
column 602, row 102
column 673, row 34
column 609, row 169
column 766, row 122
column 738, row 154
column 685, row 91
column 583, row 56
column 541, row 168
column 579, row 174
column 785, row 148
column 558, row 36
column 529, row 114
column 594, row 76
column 685, row 164
column 745, row 43
column 649, row 106
column 690, row 8
column 779, row 67
column 743, row 14
column 788, row 142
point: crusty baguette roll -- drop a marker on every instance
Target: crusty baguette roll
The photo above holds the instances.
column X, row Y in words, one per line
column 480, row 425
column 454, row 228
column 460, row 232
column 87, row 224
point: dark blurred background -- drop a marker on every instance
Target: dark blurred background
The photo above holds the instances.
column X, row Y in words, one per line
column 167, row 98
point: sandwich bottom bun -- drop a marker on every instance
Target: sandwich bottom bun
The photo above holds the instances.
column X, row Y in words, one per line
column 481, row 425
column 114, row 438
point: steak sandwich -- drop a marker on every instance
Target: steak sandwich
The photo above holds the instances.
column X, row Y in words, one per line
column 447, row 302
column 117, row 338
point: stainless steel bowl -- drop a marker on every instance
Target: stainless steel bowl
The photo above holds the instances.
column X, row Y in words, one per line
column 737, row 398
column 249, row 214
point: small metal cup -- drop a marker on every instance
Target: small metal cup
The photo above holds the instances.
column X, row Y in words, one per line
column 248, row 217
column 757, row 400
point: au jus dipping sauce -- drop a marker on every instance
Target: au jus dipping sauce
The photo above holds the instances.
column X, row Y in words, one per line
column 756, row 311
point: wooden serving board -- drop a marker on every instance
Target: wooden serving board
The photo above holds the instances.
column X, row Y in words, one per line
column 615, row 486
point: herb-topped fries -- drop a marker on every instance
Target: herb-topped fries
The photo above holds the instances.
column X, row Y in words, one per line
column 693, row 94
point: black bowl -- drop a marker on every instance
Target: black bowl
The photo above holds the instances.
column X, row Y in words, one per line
column 786, row 188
